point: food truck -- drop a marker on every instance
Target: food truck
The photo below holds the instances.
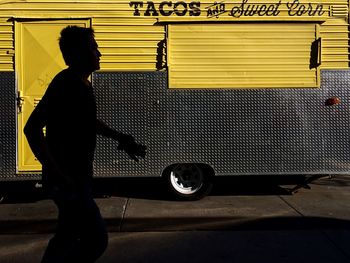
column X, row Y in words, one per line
column 213, row 88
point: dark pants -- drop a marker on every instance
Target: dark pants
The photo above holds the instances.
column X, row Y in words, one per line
column 81, row 234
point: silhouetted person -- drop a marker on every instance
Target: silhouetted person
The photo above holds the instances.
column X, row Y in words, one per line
column 66, row 152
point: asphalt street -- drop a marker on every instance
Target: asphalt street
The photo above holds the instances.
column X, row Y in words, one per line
column 242, row 220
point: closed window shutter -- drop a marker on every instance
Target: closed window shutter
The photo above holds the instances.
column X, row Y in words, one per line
column 247, row 55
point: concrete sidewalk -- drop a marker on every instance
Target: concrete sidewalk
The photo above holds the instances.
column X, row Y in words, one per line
column 311, row 226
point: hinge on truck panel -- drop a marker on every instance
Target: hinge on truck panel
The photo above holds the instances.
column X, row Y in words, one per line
column 161, row 57
column 20, row 102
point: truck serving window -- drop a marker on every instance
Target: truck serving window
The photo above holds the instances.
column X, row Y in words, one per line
column 245, row 55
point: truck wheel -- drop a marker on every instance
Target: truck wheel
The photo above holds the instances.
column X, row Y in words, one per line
column 189, row 181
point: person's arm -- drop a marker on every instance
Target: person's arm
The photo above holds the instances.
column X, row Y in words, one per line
column 126, row 141
column 33, row 130
column 35, row 135
column 103, row 130
column 37, row 142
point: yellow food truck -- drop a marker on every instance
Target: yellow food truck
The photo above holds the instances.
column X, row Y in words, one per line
column 232, row 87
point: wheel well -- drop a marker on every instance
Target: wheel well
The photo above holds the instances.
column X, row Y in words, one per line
column 209, row 171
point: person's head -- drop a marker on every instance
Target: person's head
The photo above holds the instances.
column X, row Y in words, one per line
column 79, row 48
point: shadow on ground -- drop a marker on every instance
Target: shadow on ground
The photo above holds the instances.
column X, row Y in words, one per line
column 156, row 189
column 187, row 224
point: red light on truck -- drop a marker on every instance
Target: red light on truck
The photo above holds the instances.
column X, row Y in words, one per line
column 332, row 101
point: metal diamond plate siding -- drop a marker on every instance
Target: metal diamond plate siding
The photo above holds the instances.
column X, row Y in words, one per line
column 248, row 131
column 123, row 103
column 7, row 126
column 266, row 131
column 262, row 131
column 336, row 120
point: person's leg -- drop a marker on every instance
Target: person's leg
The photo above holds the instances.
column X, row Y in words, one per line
column 93, row 237
column 65, row 240
column 81, row 235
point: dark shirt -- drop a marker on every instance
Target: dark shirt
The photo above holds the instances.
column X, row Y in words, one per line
column 68, row 109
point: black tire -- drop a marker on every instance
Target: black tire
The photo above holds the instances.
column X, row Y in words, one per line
column 189, row 182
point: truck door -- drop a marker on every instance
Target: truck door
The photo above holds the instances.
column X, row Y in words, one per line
column 38, row 59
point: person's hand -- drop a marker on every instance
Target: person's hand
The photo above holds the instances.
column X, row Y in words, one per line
column 134, row 150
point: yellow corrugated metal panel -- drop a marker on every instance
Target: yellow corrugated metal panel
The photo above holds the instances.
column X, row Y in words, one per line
column 66, row 9
column 130, row 35
column 127, row 46
column 122, row 21
column 248, row 10
column 115, row 66
column 115, row 23
column 340, row 11
column 118, row 32
column 186, row 10
column 6, row 45
column 335, row 44
column 241, row 56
